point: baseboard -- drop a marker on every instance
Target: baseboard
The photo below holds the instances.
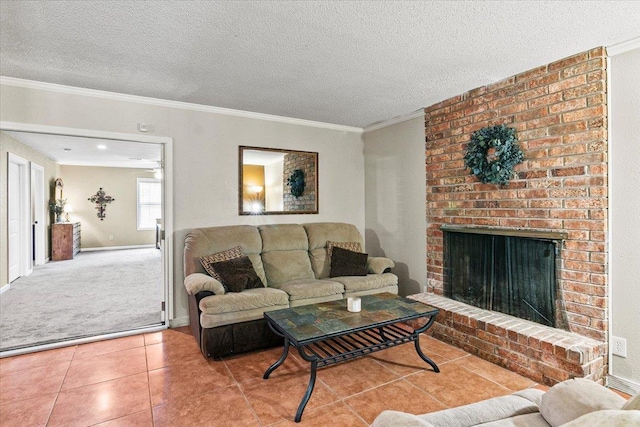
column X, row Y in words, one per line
column 4, row 288
column 623, row 385
column 179, row 321
column 111, row 248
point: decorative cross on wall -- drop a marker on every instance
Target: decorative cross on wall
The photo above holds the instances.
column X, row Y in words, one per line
column 101, row 200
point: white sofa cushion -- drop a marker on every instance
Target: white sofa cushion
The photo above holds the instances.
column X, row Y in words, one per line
column 497, row 408
column 633, row 403
column 573, row 398
column 607, row 418
column 397, row 419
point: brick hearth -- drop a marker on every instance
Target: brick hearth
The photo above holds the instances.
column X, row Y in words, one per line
column 544, row 354
column 560, row 114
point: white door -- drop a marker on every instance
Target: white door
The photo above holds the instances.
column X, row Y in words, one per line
column 38, row 213
column 14, row 221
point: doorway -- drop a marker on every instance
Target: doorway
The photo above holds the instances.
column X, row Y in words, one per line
column 36, row 230
column 18, row 218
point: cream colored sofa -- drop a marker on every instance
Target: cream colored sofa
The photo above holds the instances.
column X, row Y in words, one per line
column 573, row 403
column 292, row 263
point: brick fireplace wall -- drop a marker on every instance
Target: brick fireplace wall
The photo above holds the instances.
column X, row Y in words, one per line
column 306, row 163
column 559, row 111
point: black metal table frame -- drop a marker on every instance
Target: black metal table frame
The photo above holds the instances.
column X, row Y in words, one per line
column 340, row 347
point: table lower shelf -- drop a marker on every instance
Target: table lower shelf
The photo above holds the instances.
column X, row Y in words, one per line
column 346, row 347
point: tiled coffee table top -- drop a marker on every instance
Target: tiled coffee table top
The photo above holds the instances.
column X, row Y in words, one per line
column 310, row 322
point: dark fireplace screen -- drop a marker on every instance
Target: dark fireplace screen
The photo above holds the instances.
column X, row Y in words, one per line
column 512, row 275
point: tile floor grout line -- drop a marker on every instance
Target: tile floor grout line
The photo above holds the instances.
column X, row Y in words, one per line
column 60, row 388
column 146, row 362
column 244, row 396
column 428, row 394
column 483, row 376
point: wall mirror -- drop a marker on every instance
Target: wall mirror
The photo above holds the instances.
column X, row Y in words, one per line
column 275, row 181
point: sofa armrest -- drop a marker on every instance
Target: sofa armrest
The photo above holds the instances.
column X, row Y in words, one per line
column 378, row 264
column 198, row 282
column 396, row 418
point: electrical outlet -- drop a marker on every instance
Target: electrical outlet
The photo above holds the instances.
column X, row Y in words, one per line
column 110, row 236
column 619, row 346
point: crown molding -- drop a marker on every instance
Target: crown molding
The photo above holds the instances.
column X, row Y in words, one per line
column 395, row 120
column 626, row 46
column 52, row 87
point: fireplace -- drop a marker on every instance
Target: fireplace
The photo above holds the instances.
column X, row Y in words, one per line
column 499, row 270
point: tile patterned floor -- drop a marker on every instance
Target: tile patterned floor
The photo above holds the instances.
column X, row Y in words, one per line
column 161, row 379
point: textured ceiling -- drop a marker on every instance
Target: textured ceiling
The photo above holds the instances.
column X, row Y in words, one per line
column 73, row 150
column 351, row 63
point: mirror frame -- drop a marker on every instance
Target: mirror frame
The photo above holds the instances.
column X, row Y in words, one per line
column 314, row 179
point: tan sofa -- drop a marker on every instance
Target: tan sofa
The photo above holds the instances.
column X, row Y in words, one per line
column 292, row 262
column 573, row 403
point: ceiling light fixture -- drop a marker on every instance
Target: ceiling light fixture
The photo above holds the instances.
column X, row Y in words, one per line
column 102, row 147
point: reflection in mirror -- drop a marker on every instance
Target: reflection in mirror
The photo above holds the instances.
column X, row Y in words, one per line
column 277, row 181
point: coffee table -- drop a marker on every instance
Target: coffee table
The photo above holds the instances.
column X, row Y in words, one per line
column 326, row 333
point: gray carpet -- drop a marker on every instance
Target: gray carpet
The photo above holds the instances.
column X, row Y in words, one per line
column 93, row 294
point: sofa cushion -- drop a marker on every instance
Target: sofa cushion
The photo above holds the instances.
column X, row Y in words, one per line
column 310, row 288
column 236, row 274
column 198, row 282
column 363, row 283
column 573, row 398
column 607, row 418
column 397, row 418
column 527, row 420
column 225, row 255
column 485, row 411
column 318, row 234
column 248, row 299
column 633, row 403
column 345, row 262
column 283, row 266
column 283, row 237
column 284, row 253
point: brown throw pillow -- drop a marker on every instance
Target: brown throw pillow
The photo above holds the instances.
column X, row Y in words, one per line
column 237, row 274
column 348, row 263
column 352, row 246
column 206, row 261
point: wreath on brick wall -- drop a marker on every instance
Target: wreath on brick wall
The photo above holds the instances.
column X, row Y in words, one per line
column 296, row 182
column 492, row 154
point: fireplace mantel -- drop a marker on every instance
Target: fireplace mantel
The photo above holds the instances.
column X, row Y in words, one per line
column 536, row 234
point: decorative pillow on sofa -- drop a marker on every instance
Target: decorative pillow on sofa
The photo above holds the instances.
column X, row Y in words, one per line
column 573, row 398
column 206, row 261
column 352, row 246
column 237, row 274
column 348, row 263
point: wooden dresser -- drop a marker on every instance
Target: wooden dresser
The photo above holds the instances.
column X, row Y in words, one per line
column 65, row 240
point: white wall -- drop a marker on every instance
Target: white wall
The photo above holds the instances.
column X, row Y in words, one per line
column 11, row 145
column 624, row 176
column 395, row 207
column 205, row 157
column 120, row 225
column 273, row 186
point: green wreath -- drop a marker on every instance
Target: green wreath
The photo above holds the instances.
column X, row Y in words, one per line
column 492, row 154
column 296, row 182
